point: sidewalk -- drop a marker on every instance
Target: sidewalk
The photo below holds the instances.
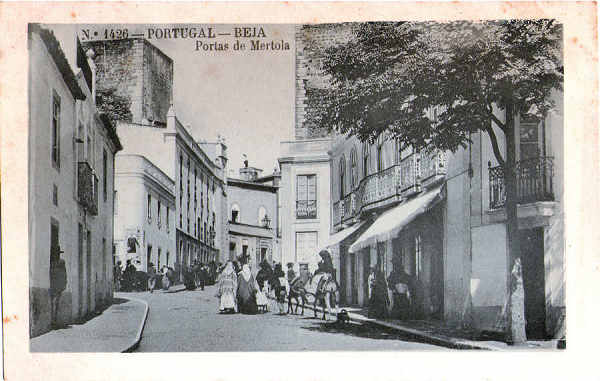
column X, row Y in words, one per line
column 118, row 329
column 439, row 334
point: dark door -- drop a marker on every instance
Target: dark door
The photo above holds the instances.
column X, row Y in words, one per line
column 353, row 279
column 366, row 272
column 532, row 254
column 343, row 273
column 80, row 287
column 88, row 265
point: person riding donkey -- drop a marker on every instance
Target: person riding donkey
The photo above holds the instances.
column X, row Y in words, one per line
column 325, row 266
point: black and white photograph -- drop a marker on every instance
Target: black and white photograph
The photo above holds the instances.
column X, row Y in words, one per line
column 335, row 190
column 370, row 186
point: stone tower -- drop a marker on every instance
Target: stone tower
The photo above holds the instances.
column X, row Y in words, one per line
column 134, row 70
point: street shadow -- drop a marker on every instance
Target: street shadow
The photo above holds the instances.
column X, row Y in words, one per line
column 175, row 291
column 361, row 330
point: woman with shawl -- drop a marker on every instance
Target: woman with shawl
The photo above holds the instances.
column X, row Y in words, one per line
column 246, row 291
column 226, row 289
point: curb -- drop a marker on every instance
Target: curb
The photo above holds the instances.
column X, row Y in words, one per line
column 441, row 340
column 138, row 338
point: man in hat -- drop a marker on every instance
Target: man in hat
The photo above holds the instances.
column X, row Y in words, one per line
column 58, row 282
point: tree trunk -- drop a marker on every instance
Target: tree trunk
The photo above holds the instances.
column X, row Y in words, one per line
column 515, row 327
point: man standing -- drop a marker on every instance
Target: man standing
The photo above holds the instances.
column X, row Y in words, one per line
column 151, row 277
column 58, row 283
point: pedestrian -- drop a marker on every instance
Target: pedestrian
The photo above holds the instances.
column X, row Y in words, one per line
column 203, row 276
column 117, row 276
column 246, row 291
column 291, row 275
column 227, row 289
column 279, row 284
column 400, row 283
column 264, row 274
column 128, row 276
column 371, row 281
column 151, row 277
column 58, row 283
column 166, row 282
column 379, row 301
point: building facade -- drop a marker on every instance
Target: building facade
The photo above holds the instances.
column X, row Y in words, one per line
column 440, row 216
column 71, row 178
column 144, row 210
column 253, row 217
column 142, row 75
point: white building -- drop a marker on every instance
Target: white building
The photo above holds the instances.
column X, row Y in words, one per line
column 306, row 205
column 144, row 213
column 71, row 178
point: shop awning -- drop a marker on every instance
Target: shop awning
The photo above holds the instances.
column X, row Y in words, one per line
column 338, row 237
column 389, row 224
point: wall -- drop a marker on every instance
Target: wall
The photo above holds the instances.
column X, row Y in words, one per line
column 44, row 78
column 311, row 43
column 250, row 200
column 301, row 159
column 135, row 181
column 139, row 72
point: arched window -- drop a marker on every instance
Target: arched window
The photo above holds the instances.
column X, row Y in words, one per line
column 366, row 151
column 342, row 176
column 380, row 158
column 235, row 213
column 353, row 169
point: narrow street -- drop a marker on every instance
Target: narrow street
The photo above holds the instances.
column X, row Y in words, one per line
column 181, row 320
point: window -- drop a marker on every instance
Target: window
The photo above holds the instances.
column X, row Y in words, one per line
column 104, row 174
column 342, row 176
column 530, row 131
column 235, row 213
column 418, row 257
column 180, row 183
column 380, row 158
column 149, row 256
column 54, row 194
column 306, row 246
column 56, row 131
column 115, row 203
column 167, row 220
column 149, row 208
column 158, row 214
column 353, row 169
column 306, row 196
column 366, row 152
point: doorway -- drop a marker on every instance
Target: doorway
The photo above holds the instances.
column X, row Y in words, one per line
column 353, row 280
column 532, row 256
column 80, row 287
column 88, row 265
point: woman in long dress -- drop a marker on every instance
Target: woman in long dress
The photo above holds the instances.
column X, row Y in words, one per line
column 246, row 291
column 227, row 289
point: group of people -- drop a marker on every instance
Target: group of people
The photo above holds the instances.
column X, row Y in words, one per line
column 239, row 291
column 394, row 297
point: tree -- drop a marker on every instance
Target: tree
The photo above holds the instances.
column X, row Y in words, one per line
column 391, row 77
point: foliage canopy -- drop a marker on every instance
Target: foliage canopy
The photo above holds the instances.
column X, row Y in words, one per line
column 430, row 83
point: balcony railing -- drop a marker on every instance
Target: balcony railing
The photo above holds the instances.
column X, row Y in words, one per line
column 87, row 190
column 534, row 182
column 379, row 187
column 392, row 184
column 306, row 209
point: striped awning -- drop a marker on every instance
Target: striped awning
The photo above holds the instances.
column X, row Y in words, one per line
column 391, row 222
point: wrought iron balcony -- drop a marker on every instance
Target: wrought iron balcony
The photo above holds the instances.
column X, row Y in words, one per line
column 392, row 185
column 381, row 188
column 534, row 182
column 433, row 166
column 306, row 209
column 87, row 190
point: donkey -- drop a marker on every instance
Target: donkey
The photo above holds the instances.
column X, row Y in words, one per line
column 320, row 287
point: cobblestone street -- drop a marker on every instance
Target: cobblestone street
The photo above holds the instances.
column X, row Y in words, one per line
column 181, row 320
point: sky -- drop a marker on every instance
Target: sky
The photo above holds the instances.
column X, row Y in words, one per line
column 245, row 96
